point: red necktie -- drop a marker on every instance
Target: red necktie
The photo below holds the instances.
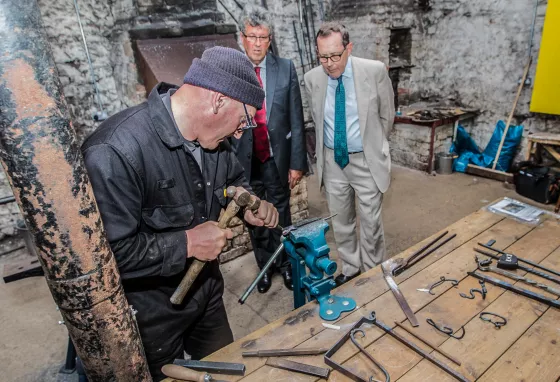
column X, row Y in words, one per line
column 261, row 146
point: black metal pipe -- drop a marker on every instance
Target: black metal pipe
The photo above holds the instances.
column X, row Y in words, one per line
column 42, row 159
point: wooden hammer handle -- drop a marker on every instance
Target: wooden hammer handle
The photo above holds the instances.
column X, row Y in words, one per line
column 180, row 372
column 197, row 265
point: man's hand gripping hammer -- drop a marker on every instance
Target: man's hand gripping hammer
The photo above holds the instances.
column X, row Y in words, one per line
column 241, row 198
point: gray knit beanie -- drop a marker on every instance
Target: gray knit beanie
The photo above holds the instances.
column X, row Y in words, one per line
column 227, row 71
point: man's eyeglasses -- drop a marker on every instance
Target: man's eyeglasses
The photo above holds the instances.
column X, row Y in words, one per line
column 253, row 39
column 333, row 57
column 249, row 121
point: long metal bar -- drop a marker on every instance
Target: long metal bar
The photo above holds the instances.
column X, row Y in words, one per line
column 515, row 289
column 262, row 272
column 42, row 159
column 284, row 352
column 418, row 350
column 430, row 344
column 516, row 277
column 328, row 358
column 298, row 367
column 523, row 268
column 399, row 296
column 212, row 367
column 404, row 264
column 536, row 265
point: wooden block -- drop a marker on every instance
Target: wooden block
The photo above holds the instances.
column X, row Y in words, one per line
column 22, row 269
column 489, row 173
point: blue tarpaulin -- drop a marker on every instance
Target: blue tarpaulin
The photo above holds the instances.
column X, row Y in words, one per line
column 469, row 153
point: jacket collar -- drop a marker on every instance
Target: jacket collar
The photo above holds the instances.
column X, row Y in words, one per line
column 160, row 117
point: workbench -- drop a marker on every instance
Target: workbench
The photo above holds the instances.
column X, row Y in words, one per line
column 526, row 349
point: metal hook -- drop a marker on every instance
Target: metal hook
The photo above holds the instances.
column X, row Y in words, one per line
column 442, row 279
column 355, row 342
column 482, row 291
column 446, row 330
column 497, row 324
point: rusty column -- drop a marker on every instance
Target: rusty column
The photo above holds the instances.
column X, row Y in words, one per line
column 42, row 159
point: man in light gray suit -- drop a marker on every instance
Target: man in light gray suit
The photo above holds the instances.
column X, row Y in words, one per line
column 274, row 155
column 352, row 105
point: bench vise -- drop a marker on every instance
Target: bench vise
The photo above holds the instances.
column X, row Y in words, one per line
column 306, row 246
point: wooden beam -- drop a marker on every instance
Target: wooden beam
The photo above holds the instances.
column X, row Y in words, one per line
column 489, row 173
column 552, row 152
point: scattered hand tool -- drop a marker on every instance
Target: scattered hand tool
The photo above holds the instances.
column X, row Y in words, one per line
column 212, row 367
column 303, row 368
column 442, row 279
column 283, row 352
column 445, row 329
column 430, row 344
column 522, row 267
column 515, row 289
column 510, row 261
column 241, row 198
column 418, row 350
column 497, row 324
column 400, row 265
column 339, row 367
column 364, row 351
column 386, row 267
column 482, row 291
column 184, row 374
column 485, row 266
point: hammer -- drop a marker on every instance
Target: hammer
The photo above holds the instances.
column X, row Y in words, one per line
column 241, row 198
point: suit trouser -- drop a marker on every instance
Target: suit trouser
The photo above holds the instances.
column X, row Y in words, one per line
column 266, row 184
column 341, row 187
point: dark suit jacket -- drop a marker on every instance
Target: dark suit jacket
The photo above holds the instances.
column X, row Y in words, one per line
column 284, row 115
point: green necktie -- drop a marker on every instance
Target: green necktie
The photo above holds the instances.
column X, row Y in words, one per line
column 340, row 143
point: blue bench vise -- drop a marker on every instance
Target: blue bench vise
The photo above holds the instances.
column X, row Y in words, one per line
column 307, row 248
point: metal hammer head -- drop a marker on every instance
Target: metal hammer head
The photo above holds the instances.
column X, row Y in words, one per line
column 239, row 195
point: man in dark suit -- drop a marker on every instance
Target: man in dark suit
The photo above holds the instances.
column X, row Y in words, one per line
column 274, row 156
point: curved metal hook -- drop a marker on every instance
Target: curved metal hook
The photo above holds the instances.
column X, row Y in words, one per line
column 497, row 324
column 355, row 342
column 442, row 279
column 446, row 330
column 482, row 291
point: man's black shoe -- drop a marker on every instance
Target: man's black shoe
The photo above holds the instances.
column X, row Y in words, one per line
column 287, row 275
column 342, row 279
column 264, row 284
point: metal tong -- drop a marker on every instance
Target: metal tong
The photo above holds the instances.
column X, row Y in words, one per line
column 400, row 265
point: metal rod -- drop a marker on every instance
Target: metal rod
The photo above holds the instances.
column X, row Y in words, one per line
column 262, row 272
column 536, row 265
column 430, row 344
column 310, row 7
column 533, row 29
column 308, row 36
column 516, row 277
column 92, row 73
column 523, row 268
column 212, row 367
column 303, row 368
column 229, row 12
column 43, row 162
column 298, row 46
column 418, row 350
column 284, row 352
column 515, row 289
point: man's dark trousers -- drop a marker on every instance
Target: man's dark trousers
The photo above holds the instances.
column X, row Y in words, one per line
column 266, row 183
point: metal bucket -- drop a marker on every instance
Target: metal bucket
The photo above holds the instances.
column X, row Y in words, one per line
column 22, row 228
column 445, row 163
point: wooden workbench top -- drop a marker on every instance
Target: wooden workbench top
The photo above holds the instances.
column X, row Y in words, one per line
column 526, row 349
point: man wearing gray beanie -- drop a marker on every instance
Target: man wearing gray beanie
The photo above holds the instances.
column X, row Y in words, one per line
column 159, row 171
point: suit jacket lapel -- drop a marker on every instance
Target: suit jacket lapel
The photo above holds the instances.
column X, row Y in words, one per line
column 322, row 85
column 362, row 86
column 271, row 76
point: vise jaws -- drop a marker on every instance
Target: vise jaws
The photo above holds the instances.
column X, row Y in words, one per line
column 307, row 249
column 306, row 246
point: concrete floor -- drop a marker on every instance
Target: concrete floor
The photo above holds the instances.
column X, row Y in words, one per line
column 33, row 344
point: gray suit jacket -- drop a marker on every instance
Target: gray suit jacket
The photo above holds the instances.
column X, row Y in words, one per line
column 376, row 114
column 284, row 115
